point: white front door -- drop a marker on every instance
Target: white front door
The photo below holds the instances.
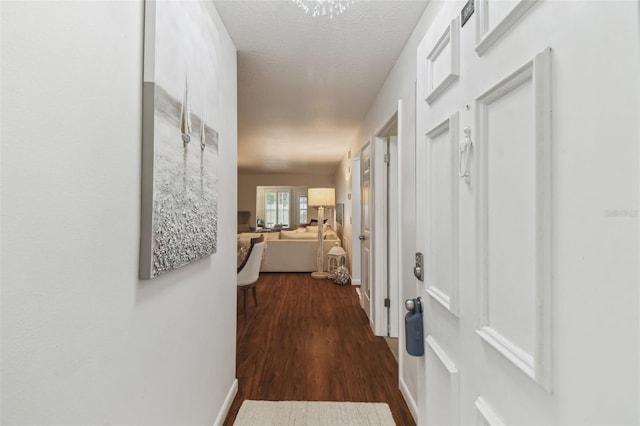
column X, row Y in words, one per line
column 529, row 225
column 365, row 229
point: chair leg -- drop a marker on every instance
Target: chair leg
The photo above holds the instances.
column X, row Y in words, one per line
column 246, row 305
column 255, row 298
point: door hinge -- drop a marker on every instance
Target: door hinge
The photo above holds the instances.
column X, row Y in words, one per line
column 387, row 158
column 387, row 303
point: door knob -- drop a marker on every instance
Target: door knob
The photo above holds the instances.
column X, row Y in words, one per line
column 361, row 237
column 409, row 305
column 413, row 305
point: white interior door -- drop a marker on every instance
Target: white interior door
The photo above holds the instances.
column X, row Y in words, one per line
column 521, row 254
column 365, row 229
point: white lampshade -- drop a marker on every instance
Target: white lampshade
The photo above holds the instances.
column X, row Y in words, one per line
column 325, row 197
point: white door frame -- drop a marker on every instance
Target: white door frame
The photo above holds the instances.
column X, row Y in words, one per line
column 355, row 219
column 366, row 232
column 385, row 251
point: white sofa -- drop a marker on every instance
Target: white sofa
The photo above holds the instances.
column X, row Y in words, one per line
column 295, row 251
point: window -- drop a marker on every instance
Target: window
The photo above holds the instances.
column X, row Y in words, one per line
column 302, row 208
column 276, row 208
column 281, row 205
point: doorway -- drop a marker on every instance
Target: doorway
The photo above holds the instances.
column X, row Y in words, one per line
column 376, row 242
column 386, row 238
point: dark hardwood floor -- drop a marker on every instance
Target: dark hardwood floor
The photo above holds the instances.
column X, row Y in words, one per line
column 309, row 340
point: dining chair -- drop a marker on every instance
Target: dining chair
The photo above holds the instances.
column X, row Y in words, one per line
column 249, row 271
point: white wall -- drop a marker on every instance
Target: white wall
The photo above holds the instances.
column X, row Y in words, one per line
column 83, row 340
column 247, row 183
column 399, row 85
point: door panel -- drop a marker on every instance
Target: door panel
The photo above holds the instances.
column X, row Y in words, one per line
column 443, row 406
column 442, row 213
column 513, row 213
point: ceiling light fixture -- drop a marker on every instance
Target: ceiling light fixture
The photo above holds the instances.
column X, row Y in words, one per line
column 323, row 7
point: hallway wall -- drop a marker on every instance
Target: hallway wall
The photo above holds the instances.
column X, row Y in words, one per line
column 83, row 340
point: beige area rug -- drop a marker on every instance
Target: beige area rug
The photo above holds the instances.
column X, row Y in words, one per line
column 263, row 413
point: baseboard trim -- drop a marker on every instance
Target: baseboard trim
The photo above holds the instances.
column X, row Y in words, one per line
column 226, row 406
column 411, row 403
column 355, row 281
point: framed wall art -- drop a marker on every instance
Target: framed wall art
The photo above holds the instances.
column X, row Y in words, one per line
column 179, row 211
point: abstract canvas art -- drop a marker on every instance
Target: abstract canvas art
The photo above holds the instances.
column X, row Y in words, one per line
column 180, row 142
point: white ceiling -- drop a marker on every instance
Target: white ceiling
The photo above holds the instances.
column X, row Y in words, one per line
column 305, row 83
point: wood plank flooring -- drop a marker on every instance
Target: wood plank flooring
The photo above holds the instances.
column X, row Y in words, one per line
column 309, row 340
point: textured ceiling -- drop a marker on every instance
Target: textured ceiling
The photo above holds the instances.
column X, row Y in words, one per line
column 304, row 83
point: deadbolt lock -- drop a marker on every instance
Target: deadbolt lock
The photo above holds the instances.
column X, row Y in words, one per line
column 418, row 270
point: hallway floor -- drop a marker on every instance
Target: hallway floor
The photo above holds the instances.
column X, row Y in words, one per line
column 309, row 340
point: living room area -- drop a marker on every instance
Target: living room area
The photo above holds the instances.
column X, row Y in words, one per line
column 277, row 206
